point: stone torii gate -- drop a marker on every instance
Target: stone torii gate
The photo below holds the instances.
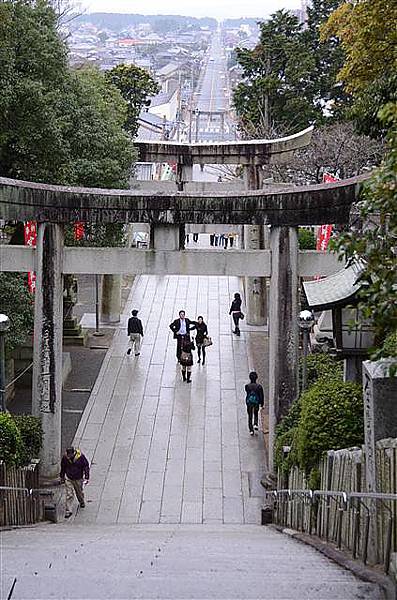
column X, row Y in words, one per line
column 53, row 206
column 251, row 155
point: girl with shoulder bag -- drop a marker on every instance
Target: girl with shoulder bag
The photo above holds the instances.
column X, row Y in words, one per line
column 186, row 358
column 201, row 338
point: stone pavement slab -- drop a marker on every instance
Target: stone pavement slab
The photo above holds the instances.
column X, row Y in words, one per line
column 170, row 562
column 162, row 450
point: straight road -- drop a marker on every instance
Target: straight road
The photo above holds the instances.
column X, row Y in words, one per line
column 213, row 97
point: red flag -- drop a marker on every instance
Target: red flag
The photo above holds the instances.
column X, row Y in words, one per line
column 328, row 178
column 78, row 231
column 30, row 235
column 323, row 237
column 325, row 231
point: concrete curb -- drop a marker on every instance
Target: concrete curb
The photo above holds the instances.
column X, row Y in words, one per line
column 356, row 567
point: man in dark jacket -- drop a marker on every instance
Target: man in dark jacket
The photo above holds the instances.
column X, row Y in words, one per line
column 135, row 331
column 254, row 399
column 74, row 467
column 179, row 328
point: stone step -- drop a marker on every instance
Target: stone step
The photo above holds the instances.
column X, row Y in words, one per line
column 197, row 562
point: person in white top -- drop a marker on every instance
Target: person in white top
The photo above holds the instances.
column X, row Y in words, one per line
column 180, row 327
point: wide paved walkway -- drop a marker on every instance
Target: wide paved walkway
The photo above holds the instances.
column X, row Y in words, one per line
column 174, row 498
column 163, row 451
column 175, row 562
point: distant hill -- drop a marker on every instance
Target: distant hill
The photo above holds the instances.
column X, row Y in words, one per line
column 243, row 21
column 162, row 23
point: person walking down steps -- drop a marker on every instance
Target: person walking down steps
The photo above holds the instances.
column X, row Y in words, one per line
column 186, row 358
column 254, row 399
column 235, row 311
column 74, row 470
column 135, row 332
column 201, row 333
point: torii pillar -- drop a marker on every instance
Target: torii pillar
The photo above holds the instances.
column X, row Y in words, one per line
column 47, row 344
column 283, row 327
column 254, row 239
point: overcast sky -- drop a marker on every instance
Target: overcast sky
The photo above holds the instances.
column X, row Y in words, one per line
column 196, row 8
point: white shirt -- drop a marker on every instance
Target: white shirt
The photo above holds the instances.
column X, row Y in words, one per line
column 182, row 327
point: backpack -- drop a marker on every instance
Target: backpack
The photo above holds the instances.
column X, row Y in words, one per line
column 252, row 398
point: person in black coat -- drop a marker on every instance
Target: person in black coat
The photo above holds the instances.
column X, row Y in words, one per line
column 201, row 333
column 135, row 333
column 186, row 357
column 235, row 311
column 254, row 399
column 179, row 328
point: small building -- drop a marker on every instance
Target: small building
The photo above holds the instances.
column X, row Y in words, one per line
column 338, row 293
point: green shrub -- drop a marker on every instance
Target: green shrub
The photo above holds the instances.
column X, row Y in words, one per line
column 285, row 462
column 31, row 434
column 320, row 365
column 331, row 418
column 11, row 444
column 17, row 304
column 306, row 239
column 390, row 345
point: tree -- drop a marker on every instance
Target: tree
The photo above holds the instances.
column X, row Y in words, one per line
column 368, row 39
column 136, row 86
column 32, row 74
column 328, row 56
column 101, row 152
column 57, row 126
column 17, row 304
column 374, row 241
column 335, row 148
column 275, row 93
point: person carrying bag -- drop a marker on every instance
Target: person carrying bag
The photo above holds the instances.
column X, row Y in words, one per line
column 186, row 358
column 202, row 339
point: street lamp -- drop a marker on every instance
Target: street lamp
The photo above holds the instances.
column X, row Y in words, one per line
column 4, row 326
column 305, row 320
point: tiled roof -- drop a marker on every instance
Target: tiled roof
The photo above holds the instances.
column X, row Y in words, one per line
column 335, row 289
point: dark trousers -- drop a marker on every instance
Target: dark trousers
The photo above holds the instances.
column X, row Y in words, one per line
column 252, row 410
column 200, row 349
column 195, row 237
column 236, row 319
column 212, row 239
column 178, row 346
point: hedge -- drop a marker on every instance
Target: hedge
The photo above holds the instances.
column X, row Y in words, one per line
column 319, row 365
column 32, row 436
column 11, row 444
column 327, row 415
column 331, row 418
column 21, row 438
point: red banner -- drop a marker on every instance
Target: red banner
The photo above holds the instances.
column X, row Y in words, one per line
column 78, row 231
column 30, row 235
column 328, row 178
column 325, row 231
column 323, row 237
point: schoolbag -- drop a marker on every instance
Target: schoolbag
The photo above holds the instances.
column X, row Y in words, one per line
column 252, row 398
